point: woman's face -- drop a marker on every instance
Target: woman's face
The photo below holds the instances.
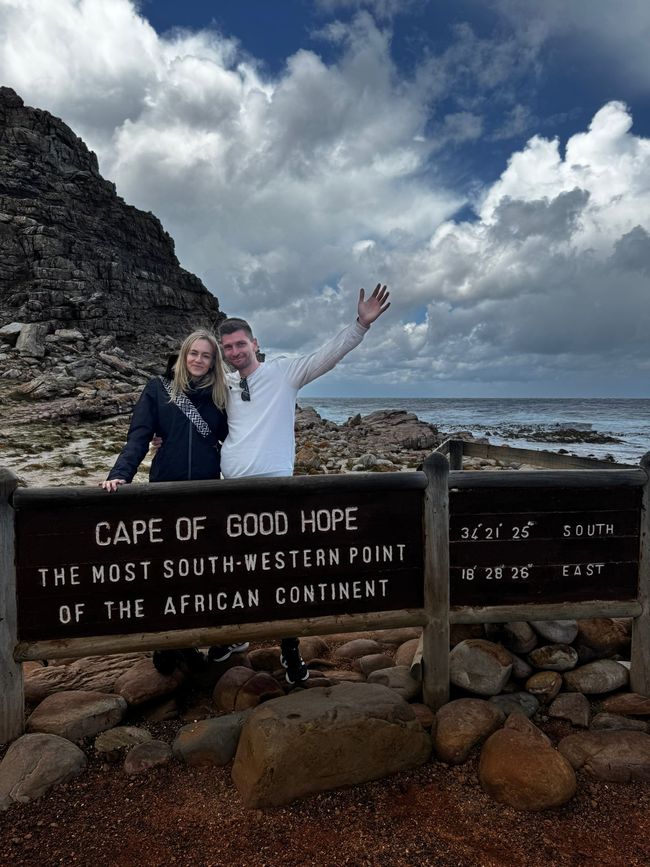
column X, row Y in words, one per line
column 200, row 358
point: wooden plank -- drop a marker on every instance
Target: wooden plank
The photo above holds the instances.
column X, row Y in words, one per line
column 455, row 450
column 547, row 479
column 640, row 653
column 527, row 499
column 200, row 561
column 115, row 530
column 119, row 643
column 544, row 551
column 535, row 457
column 509, row 526
column 11, row 675
column 435, row 636
column 577, row 582
column 36, row 498
column 543, row 611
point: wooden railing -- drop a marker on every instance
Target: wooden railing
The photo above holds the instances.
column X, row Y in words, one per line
column 457, row 449
column 84, row 572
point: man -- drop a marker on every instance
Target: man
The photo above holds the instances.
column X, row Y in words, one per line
column 261, row 410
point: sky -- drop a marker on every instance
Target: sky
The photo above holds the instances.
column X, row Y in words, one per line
column 489, row 160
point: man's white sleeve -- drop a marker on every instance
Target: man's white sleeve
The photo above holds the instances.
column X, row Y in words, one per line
column 307, row 368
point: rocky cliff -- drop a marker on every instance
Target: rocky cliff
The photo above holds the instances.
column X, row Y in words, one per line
column 92, row 297
column 73, row 254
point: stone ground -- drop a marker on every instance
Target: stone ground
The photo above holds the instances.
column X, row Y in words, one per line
column 192, row 817
column 436, row 815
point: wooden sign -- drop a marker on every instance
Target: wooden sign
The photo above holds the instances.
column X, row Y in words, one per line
column 164, row 557
column 513, row 545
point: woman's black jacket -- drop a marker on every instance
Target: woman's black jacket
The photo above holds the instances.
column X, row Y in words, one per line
column 184, row 454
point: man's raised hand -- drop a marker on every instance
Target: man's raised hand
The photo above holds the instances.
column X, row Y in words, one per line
column 371, row 308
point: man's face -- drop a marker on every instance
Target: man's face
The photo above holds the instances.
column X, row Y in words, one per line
column 239, row 351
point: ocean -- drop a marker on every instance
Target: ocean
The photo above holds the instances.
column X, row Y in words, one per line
column 515, row 421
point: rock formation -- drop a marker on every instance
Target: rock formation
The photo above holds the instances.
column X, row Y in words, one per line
column 73, row 254
column 92, row 297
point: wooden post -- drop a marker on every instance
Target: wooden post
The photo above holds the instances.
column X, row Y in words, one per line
column 12, row 716
column 640, row 667
column 435, row 636
column 456, row 454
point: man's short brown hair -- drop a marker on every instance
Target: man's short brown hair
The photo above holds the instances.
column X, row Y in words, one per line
column 229, row 326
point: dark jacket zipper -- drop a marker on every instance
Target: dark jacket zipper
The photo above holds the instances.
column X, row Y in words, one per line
column 189, row 452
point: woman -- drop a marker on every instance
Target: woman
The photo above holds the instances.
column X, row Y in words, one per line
column 186, row 408
column 168, row 406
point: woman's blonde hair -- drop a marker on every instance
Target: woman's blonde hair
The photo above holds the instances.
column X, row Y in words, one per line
column 215, row 377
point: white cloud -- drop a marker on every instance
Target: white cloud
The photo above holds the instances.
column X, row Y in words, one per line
column 380, row 8
column 608, row 35
column 554, row 273
column 287, row 193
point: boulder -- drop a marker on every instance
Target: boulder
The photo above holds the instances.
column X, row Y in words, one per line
column 210, row 741
column 313, row 647
column 406, row 652
column 142, row 683
column 518, row 636
column 554, row 657
column 373, row 662
column 617, row 722
column 518, row 767
column 320, row 739
column 479, row 666
column 614, row 756
column 143, row 757
column 265, row 658
column 461, row 724
column 627, row 703
column 603, row 675
column 9, row 333
column 556, row 631
column 571, row 706
column 517, row 702
column 357, row 648
column 76, row 714
column 95, row 673
column 31, row 340
column 544, row 685
column 398, row 677
column 113, row 740
column 35, row 763
column 605, row 635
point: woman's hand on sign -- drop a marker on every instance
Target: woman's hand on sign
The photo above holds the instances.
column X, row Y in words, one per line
column 112, row 484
